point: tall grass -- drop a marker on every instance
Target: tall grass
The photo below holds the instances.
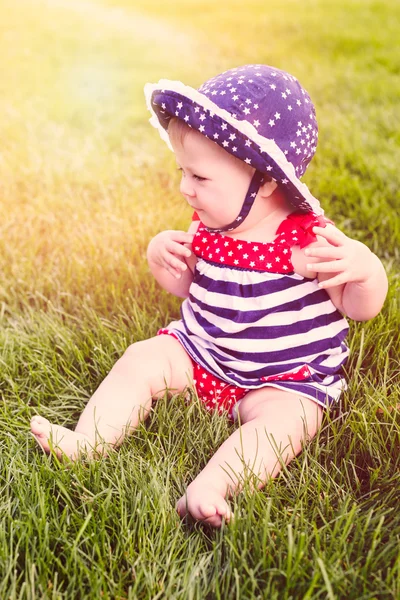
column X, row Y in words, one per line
column 84, row 185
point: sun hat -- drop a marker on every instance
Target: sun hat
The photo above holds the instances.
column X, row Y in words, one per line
column 260, row 114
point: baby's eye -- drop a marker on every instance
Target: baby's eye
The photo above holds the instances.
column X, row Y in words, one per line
column 198, row 178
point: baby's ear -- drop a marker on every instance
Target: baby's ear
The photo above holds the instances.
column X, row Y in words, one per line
column 268, row 187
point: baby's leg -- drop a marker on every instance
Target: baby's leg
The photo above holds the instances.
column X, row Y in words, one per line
column 274, row 426
column 122, row 400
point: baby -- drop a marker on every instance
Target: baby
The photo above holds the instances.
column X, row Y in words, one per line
column 266, row 281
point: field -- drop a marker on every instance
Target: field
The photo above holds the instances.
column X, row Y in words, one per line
column 85, row 183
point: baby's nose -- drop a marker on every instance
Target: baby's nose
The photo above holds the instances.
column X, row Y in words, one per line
column 186, row 187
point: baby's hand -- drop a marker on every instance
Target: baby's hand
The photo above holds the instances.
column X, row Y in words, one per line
column 348, row 259
column 167, row 250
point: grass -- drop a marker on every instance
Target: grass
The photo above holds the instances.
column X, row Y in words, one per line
column 85, row 183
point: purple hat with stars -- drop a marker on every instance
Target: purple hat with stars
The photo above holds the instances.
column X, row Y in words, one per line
column 259, row 114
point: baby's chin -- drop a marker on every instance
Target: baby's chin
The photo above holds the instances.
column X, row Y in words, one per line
column 210, row 222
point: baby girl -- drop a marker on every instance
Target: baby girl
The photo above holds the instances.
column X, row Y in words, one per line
column 267, row 282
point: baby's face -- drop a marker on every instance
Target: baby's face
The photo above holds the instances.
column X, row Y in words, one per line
column 214, row 183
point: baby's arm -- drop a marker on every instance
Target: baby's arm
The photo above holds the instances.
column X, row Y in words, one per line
column 171, row 260
column 353, row 276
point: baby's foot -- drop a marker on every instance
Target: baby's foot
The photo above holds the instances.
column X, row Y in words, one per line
column 61, row 440
column 204, row 503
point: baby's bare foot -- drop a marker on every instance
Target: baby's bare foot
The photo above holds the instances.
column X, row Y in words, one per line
column 204, row 502
column 59, row 439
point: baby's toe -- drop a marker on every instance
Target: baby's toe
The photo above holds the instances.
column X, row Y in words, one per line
column 39, row 425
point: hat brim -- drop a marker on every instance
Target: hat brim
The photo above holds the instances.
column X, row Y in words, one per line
column 167, row 99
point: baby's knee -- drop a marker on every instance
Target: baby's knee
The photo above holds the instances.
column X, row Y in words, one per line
column 143, row 359
column 137, row 352
column 160, row 361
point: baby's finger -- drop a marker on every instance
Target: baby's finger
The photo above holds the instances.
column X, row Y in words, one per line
column 339, row 279
column 182, row 237
column 174, row 272
column 324, row 252
column 179, row 249
column 175, row 263
column 333, row 266
column 331, row 233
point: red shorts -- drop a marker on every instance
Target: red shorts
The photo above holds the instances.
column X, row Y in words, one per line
column 213, row 392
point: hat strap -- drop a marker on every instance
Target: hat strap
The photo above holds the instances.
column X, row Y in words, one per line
column 255, row 184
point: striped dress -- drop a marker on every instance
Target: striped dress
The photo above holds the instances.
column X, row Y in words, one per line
column 251, row 321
